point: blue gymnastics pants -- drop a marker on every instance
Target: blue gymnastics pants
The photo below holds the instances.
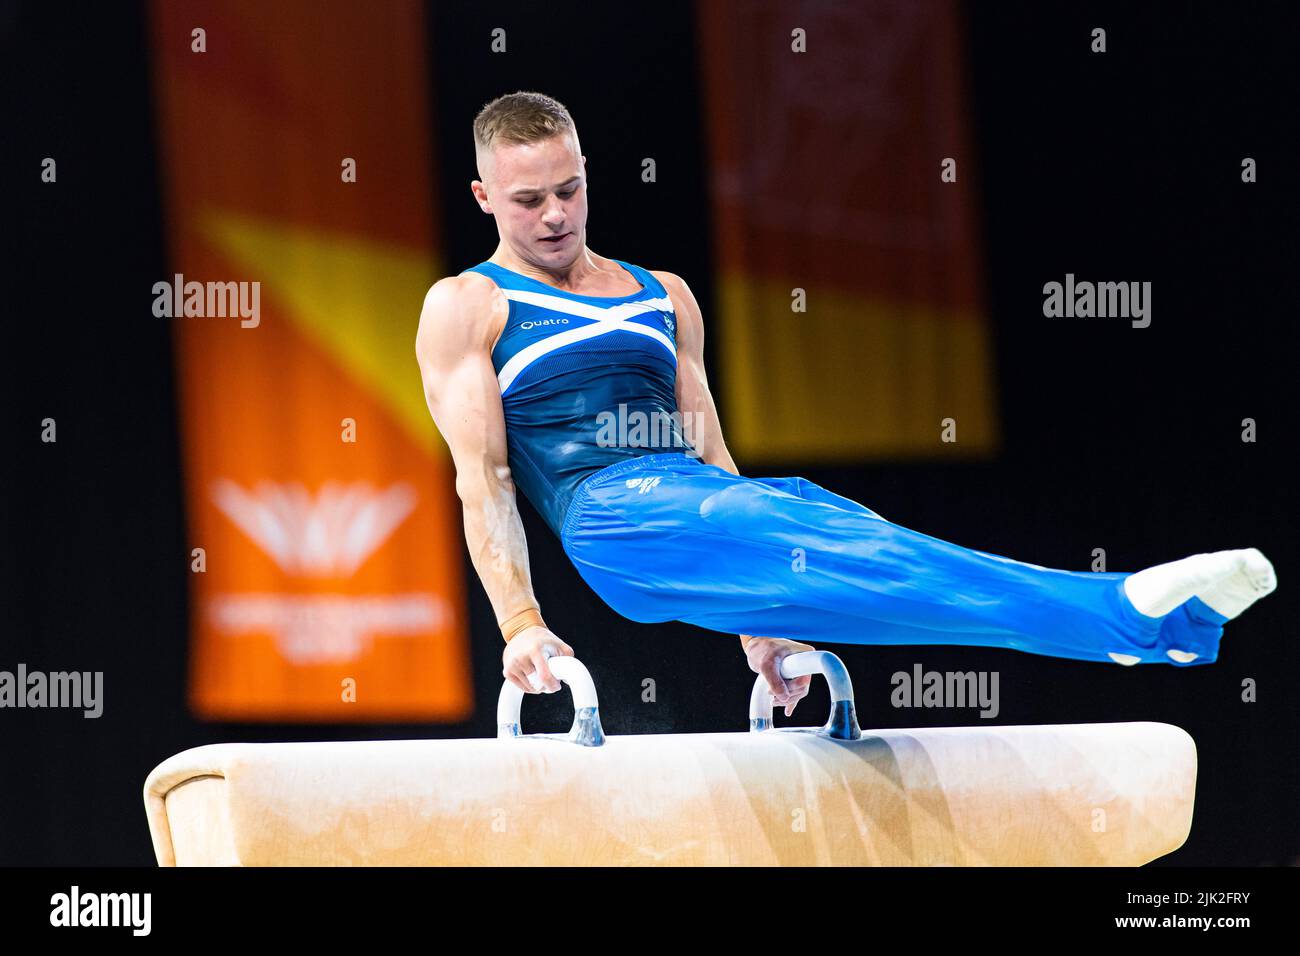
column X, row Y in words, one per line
column 667, row 537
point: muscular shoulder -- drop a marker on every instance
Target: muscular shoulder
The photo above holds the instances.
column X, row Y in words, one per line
column 684, row 304
column 464, row 309
column 675, row 284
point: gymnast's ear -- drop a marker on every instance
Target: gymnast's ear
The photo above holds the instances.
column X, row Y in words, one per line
column 480, row 196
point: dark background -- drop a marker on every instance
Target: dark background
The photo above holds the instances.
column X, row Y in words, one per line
column 1124, row 166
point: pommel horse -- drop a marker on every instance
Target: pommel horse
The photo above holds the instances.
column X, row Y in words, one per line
column 1116, row 794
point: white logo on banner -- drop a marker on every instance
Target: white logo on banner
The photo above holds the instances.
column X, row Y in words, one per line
column 328, row 534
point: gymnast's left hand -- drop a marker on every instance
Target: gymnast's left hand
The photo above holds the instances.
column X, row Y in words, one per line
column 765, row 655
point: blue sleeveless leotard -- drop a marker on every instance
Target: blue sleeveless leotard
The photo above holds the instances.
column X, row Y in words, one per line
column 661, row 535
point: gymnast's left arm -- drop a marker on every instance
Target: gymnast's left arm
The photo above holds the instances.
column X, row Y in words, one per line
column 704, row 432
column 699, row 415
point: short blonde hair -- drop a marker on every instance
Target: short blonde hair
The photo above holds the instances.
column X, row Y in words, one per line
column 519, row 118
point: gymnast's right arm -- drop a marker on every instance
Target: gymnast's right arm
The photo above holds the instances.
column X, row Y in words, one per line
column 459, row 322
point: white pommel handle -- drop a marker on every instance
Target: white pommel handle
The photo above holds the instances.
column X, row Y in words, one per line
column 843, row 722
column 569, row 670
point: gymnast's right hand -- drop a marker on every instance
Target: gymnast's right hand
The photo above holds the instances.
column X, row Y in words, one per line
column 525, row 655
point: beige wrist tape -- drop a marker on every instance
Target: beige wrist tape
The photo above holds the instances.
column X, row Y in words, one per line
column 516, row 623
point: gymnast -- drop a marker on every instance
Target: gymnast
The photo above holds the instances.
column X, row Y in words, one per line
column 525, row 357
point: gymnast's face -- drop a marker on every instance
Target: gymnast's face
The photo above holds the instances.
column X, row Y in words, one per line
column 538, row 194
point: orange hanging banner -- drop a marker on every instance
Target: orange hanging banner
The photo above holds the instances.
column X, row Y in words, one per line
column 327, row 575
column 851, row 326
